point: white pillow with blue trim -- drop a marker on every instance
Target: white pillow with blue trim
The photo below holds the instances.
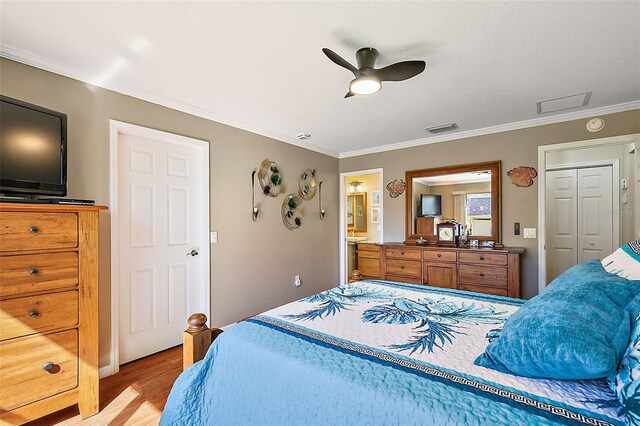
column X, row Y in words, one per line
column 624, row 262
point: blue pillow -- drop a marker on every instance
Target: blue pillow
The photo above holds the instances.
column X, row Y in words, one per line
column 577, row 328
column 626, row 383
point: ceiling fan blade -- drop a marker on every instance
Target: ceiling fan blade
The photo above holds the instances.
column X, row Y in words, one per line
column 349, row 94
column 337, row 59
column 400, row 71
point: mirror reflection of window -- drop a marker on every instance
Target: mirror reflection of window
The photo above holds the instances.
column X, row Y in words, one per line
column 463, row 197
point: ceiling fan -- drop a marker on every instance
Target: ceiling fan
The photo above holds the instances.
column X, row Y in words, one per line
column 368, row 79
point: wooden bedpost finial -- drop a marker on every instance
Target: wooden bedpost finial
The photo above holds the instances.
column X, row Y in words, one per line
column 197, row 323
column 355, row 276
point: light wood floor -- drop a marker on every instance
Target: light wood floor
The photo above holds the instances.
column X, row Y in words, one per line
column 134, row 396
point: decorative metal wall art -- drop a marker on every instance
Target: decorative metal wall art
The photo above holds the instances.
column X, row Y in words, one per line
column 307, row 184
column 522, row 176
column 271, row 179
column 291, row 214
column 322, row 211
column 254, row 209
column 396, row 188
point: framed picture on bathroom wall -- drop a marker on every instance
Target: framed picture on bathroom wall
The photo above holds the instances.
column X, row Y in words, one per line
column 375, row 215
column 375, row 198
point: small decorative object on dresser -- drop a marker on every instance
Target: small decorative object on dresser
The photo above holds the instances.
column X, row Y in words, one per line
column 448, row 233
column 48, row 310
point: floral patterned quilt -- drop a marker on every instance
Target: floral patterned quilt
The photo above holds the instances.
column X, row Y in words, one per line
column 376, row 352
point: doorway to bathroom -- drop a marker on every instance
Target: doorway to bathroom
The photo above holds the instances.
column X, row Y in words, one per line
column 361, row 218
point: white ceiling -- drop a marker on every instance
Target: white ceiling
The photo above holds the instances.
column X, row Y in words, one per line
column 259, row 65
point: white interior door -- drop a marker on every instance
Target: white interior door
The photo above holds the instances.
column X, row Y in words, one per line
column 595, row 213
column 561, row 221
column 163, row 215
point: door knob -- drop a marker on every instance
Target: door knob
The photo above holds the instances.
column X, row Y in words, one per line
column 193, row 253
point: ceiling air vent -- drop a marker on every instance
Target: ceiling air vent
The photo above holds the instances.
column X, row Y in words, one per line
column 442, row 128
column 564, row 102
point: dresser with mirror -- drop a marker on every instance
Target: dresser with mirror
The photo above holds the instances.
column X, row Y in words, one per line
column 468, row 196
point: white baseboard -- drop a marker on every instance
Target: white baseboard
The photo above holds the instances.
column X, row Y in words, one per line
column 106, row 371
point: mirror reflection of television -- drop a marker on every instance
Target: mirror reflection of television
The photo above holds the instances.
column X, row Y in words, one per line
column 430, row 205
column 33, row 149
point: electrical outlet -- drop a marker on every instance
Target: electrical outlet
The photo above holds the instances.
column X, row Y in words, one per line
column 214, row 237
column 623, row 184
column 529, row 232
column 296, row 281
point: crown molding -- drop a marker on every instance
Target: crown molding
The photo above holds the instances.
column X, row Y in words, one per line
column 497, row 129
column 28, row 58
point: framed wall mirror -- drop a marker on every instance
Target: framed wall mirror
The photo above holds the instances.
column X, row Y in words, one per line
column 468, row 194
column 357, row 212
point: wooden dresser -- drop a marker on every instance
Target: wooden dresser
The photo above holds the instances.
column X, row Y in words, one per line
column 369, row 260
column 491, row 271
column 48, row 310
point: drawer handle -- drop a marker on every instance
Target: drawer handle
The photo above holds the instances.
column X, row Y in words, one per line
column 439, row 255
column 401, row 266
column 33, row 229
column 482, row 274
column 34, row 313
column 402, row 252
column 51, row 367
column 481, row 257
column 33, row 271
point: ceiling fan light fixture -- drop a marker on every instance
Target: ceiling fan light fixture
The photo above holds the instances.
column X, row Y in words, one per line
column 365, row 85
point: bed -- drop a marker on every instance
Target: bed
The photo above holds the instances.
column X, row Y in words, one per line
column 376, row 352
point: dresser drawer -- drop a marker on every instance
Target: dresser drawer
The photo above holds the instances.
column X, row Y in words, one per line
column 28, row 315
column 370, row 268
column 496, row 291
column 32, row 231
column 410, row 268
column 440, row 256
column 368, row 254
column 24, row 379
column 403, row 279
column 368, row 247
column 486, row 258
column 403, row 253
column 494, row 276
column 37, row 272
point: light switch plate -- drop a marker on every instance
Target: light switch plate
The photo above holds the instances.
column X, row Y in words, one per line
column 529, row 232
column 214, row 237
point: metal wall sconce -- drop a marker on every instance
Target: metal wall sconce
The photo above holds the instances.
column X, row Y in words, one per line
column 322, row 211
column 254, row 209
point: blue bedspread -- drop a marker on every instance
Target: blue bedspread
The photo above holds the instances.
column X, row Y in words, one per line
column 375, row 353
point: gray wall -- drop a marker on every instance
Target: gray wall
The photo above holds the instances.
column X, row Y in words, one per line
column 253, row 265
column 514, row 148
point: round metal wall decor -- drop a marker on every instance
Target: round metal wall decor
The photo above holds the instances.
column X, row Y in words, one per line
column 291, row 214
column 307, row 184
column 271, row 179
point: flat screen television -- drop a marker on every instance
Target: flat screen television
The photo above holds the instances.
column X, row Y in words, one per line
column 33, row 149
column 430, row 205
